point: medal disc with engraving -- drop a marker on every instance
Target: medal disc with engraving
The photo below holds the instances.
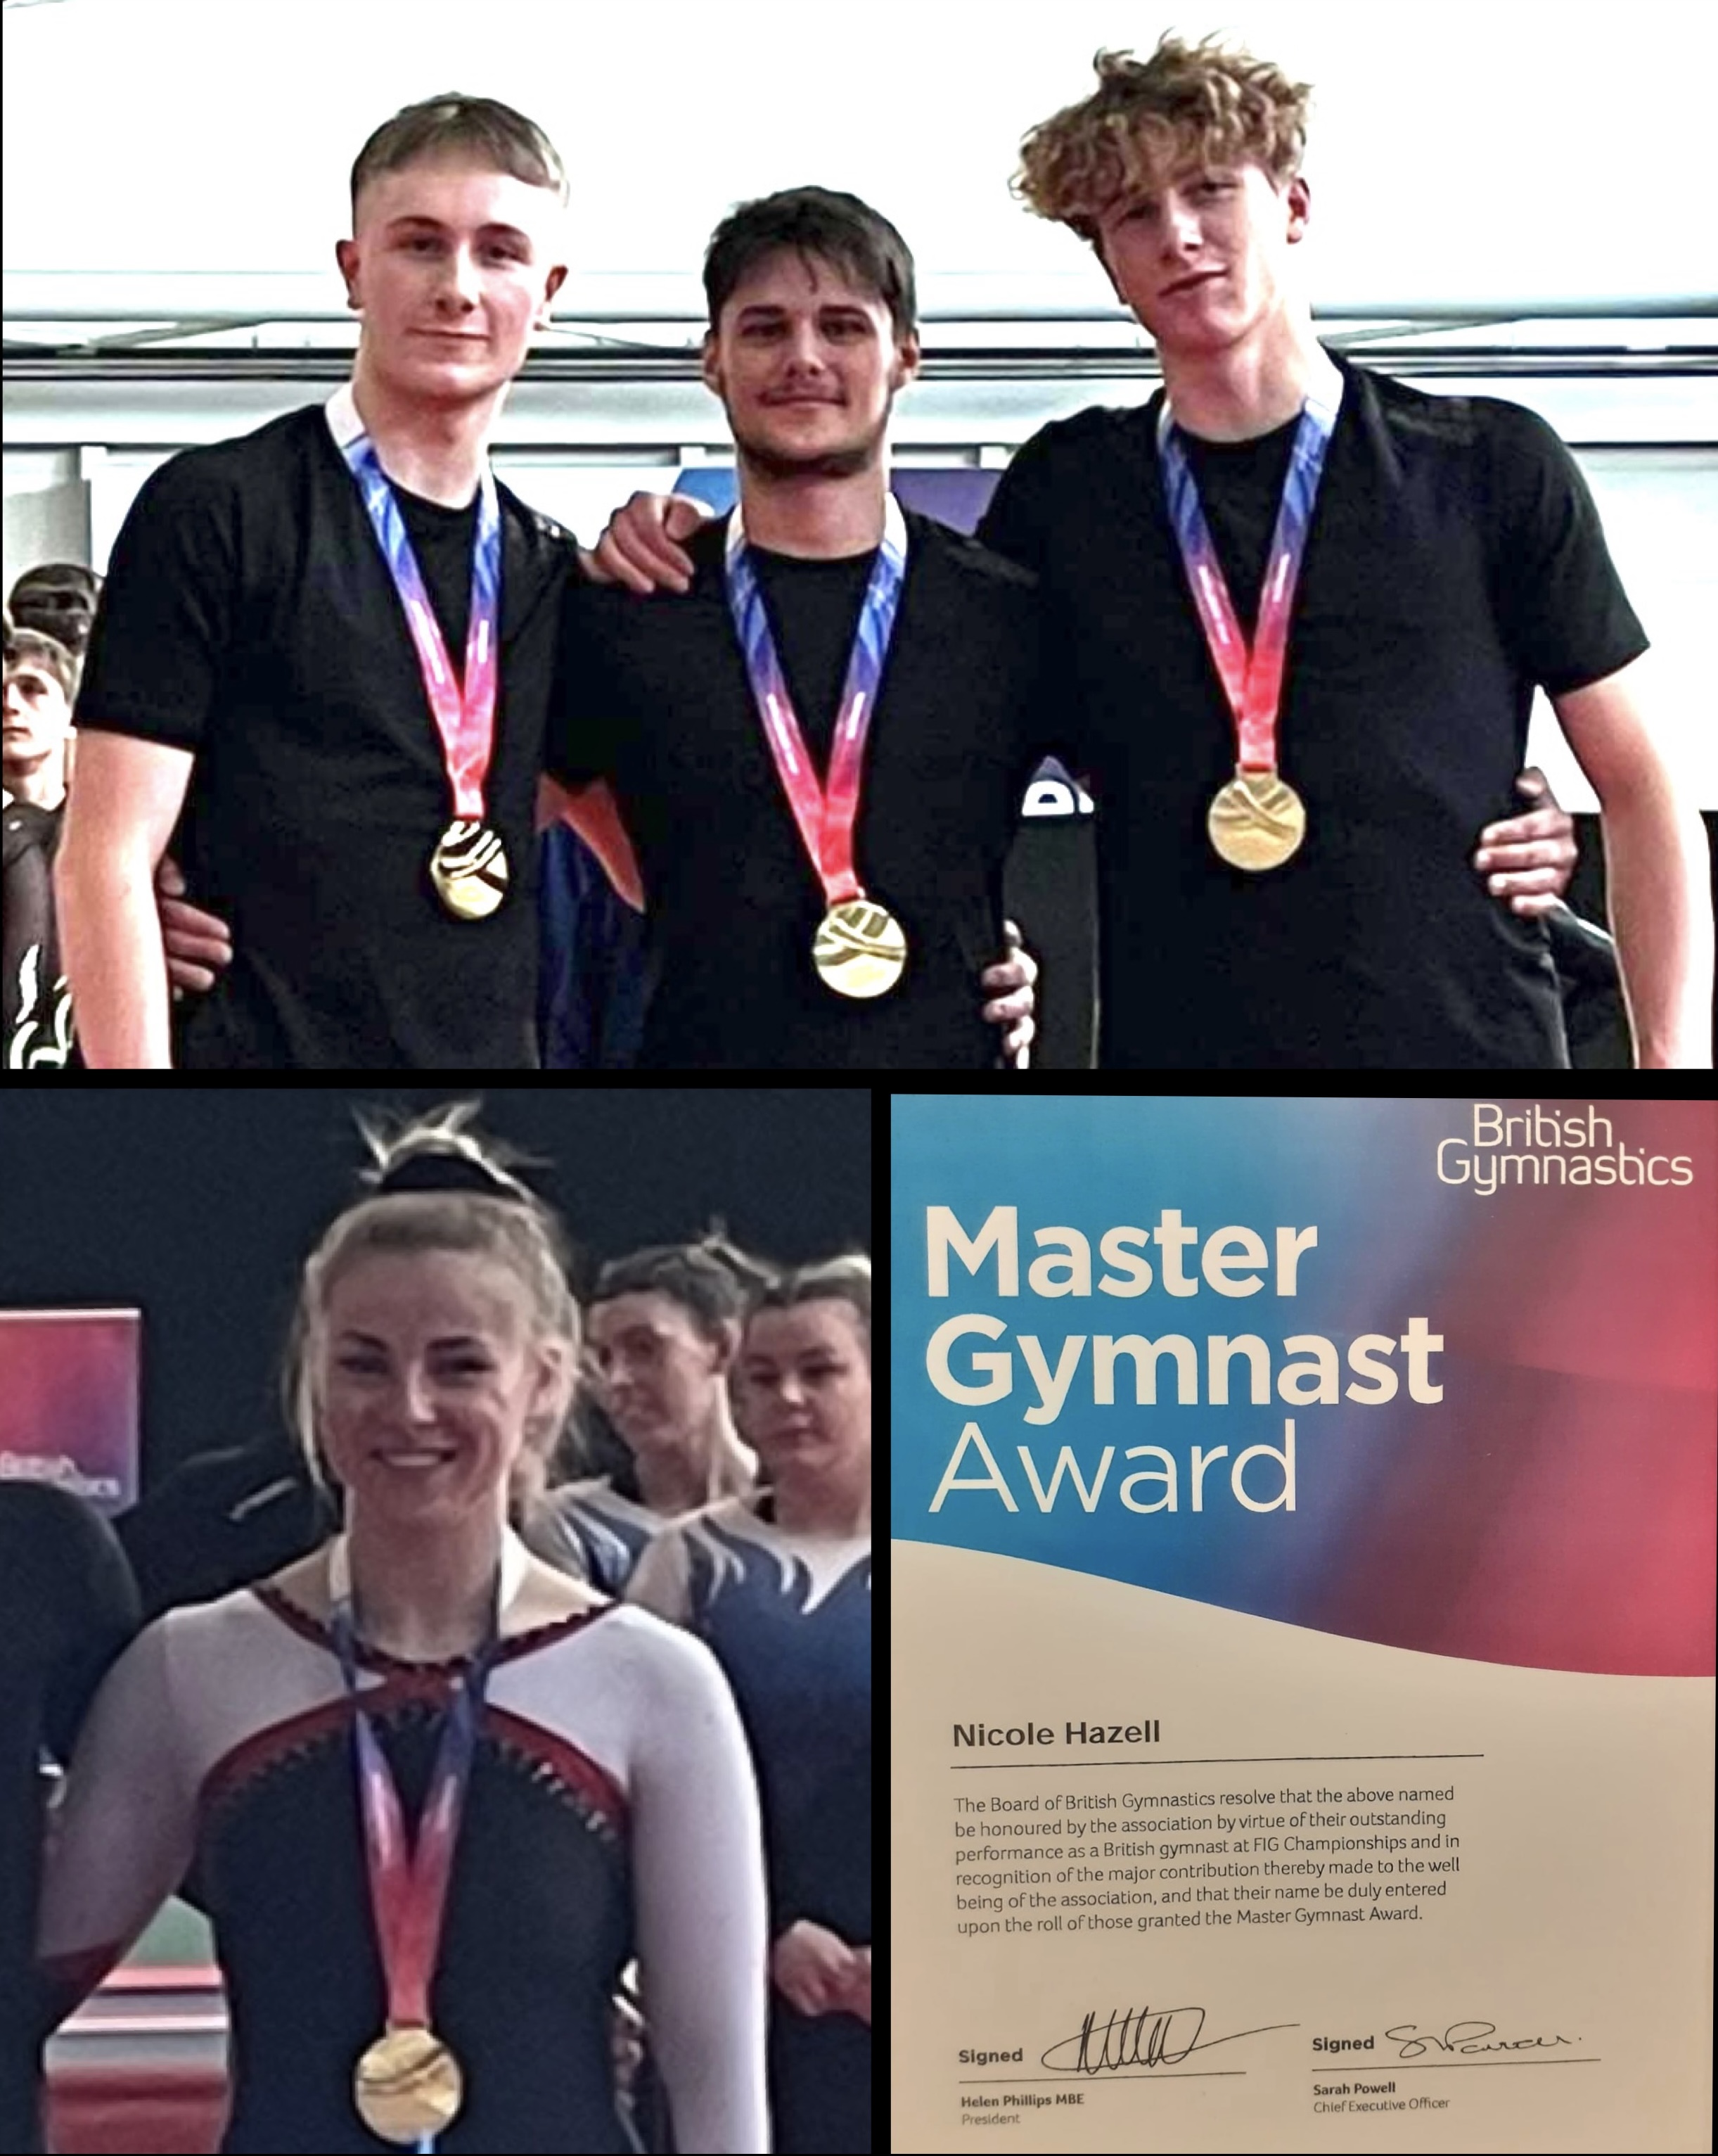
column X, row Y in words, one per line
column 861, row 948
column 408, row 2084
column 1257, row 821
column 468, row 869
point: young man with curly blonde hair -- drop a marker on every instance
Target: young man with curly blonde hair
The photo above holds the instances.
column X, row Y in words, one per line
column 1306, row 608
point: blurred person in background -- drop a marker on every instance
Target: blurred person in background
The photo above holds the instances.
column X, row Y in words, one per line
column 59, row 599
column 67, row 1607
column 41, row 681
column 778, row 1583
column 661, row 1327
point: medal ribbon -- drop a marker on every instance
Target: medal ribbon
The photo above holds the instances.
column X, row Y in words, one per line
column 464, row 711
column 409, row 1888
column 826, row 816
column 1252, row 681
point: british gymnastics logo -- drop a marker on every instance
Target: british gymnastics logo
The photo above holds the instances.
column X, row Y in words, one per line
column 1539, row 1146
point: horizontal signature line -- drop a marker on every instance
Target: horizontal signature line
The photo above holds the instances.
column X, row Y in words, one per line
column 1249, row 1759
column 1443, row 2066
column 1017, row 2081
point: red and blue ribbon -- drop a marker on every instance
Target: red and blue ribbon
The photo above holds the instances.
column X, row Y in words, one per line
column 464, row 710
column 825, row 815
column 1253, row 681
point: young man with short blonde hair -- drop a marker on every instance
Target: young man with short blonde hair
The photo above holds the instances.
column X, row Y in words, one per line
column 329, row 644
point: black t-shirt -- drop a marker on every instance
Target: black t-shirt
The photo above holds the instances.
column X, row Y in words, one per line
column 653, row 694
column 1240, row 489
column 812, row 608
column 249, row 616
column 1455, row 560
column 34, row 1010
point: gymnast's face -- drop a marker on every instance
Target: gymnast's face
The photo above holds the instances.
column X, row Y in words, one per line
column 803, row 1394
column 452, row 266
column 430, row 1381
column 659, row 1377
column 1202, row 257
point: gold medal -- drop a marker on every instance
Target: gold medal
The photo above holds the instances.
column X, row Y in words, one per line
column 468, row 869
column 1257, row 821
column 859, row 949
column 408, row 2084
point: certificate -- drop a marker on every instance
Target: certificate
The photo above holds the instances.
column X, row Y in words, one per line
column 1303, row 1600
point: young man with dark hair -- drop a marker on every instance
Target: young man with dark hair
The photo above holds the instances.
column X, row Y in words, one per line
column 284, row 617
column 1290, row 781
column 818, row 749
column 819, row 224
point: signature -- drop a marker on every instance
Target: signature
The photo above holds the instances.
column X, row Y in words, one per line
column 1466, row 2037
column 1141, row 2036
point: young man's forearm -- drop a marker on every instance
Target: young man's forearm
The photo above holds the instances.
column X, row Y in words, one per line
column 110, row 938
column 1660, row 874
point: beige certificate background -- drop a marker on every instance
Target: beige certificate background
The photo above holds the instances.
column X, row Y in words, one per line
column 1581, row 1910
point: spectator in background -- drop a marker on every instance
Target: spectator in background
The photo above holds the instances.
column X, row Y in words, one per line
column 41, row 681
column 777, row 1582
column 67, row 1607
column 59, row 599
column 664, row 1326
column 223, row 1519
